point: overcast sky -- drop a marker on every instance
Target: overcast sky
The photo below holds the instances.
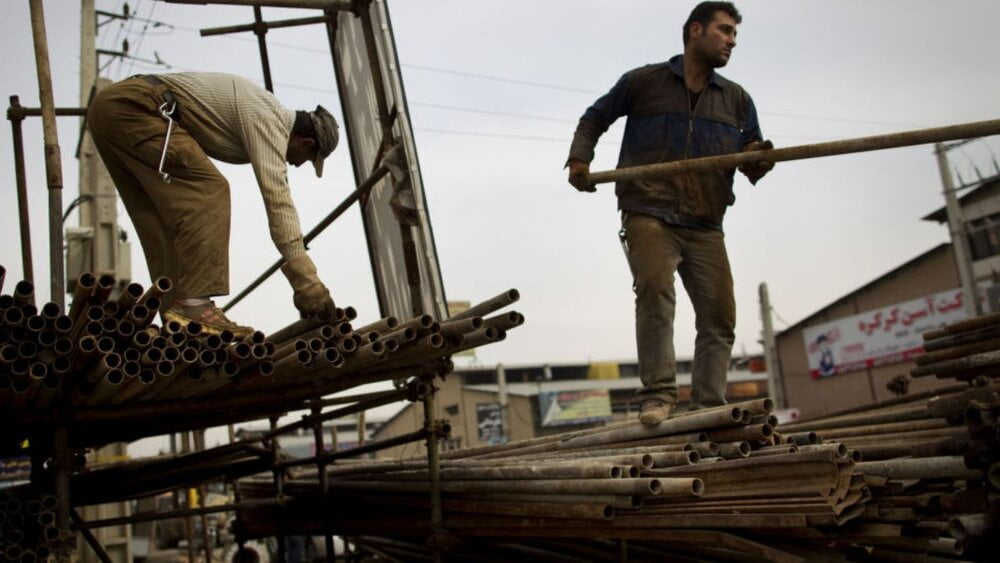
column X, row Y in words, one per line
column 494, row 91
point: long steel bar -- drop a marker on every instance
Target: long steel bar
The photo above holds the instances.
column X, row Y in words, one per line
column 324, row 481
column 62, row 460
column 53, row 166
column 279, row 491
column 91, row 540
column 15, row 114
column 346, row 5
column 59, row 112
column 353, row 452
column 167, row 514
column 260, row 30
column 846, row 146
column 320, row 417
column 211, row 31
column 434, row 478
column 363, row 189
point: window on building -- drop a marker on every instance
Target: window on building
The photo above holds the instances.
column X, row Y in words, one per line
column 984, row 237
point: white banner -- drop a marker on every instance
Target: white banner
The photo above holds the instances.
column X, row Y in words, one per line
column 880, row 337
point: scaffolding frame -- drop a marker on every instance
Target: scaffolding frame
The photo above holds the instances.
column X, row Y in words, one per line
column 51, row 436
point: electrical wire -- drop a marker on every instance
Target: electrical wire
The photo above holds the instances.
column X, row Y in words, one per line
column 142, row 36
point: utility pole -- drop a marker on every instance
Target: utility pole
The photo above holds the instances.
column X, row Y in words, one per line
column 956, row 227
column 775, row 386
column 96, row 247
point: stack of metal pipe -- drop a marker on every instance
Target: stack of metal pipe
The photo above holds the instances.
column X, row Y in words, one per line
column 107, row 350
column 930, row 463
column 719, row 482
column 28, row 530
column 962, row 350
column 716, row 468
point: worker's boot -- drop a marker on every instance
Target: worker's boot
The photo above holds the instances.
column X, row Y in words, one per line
column 210, row 317
column 654, row 411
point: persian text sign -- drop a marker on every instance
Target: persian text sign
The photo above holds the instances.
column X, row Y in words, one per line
column 880, row 337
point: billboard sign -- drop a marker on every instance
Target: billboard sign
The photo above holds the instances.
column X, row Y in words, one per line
column 574, row 407
column 885, row 336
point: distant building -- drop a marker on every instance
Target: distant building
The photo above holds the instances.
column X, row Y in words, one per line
column 844, row 354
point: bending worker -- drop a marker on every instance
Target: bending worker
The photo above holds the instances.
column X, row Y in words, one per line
column 676, row 110
column 156, row 133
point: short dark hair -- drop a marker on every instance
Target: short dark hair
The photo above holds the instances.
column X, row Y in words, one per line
column 303, row 126
column 704, row 13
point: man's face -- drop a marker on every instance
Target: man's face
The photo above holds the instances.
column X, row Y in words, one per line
column 300, row 150
column 715, row 42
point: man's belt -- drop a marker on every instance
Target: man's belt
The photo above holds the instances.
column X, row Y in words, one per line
column 168, row 96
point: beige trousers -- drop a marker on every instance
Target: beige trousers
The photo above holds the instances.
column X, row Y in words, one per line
column 183, row 225
column 655, row 251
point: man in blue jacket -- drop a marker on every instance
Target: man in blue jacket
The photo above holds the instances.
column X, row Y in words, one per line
column 676, row 110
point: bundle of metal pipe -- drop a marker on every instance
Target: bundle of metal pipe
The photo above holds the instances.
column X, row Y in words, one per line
column 107, row 351
column 334, row 348
column 798, row 493
column 28, row 530
column 608, row 482
column 962, row 350
column 927, row 465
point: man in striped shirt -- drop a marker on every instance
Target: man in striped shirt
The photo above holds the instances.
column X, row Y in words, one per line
column 178, row 200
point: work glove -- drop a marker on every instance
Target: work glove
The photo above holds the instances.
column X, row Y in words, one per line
column 311, row 297
column 579, row 176
column 755, row 170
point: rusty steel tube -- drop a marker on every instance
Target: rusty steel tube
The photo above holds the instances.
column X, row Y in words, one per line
column 896, row 414
column 643, row 486
column 920, row 468
column 160, row 287
column 505, row 321
column 490, row 305
column 463, row 325
column 862, row 144
column 386, row 325
column 875, row 429
column 617, row 501
column 969, row 325
column 518, row 472
column 972, row 361
column 536, row 509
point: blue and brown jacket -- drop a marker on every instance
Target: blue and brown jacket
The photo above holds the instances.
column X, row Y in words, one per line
column 662, row 127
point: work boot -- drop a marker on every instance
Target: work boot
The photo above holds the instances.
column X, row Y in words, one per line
column 210, row 317
column 654, row 411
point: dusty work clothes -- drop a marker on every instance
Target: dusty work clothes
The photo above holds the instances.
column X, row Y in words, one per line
column 655, row 251
column 663, row 127
column 674, row 223
column 184, row 225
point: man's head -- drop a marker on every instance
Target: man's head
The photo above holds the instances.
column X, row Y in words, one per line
column 314, row 136
column 710, row 32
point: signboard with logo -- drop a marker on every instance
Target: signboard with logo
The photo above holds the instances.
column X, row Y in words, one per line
column 574, row 407
column 489, row 423
column 885, row 336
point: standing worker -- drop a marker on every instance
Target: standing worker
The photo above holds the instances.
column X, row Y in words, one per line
column 676, row 110
column 156, row 133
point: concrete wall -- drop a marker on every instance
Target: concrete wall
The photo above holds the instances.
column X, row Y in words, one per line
column 932, row 273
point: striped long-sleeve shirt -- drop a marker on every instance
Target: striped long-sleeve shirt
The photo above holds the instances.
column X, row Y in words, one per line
column 236, row 121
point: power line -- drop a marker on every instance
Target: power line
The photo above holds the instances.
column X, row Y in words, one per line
column 142, row 35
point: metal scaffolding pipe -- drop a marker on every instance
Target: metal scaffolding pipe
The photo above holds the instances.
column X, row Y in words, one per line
column 53, row 166
column 847, row 146
column 16, row 115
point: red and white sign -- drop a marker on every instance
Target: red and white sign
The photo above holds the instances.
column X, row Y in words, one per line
column 881, row 337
